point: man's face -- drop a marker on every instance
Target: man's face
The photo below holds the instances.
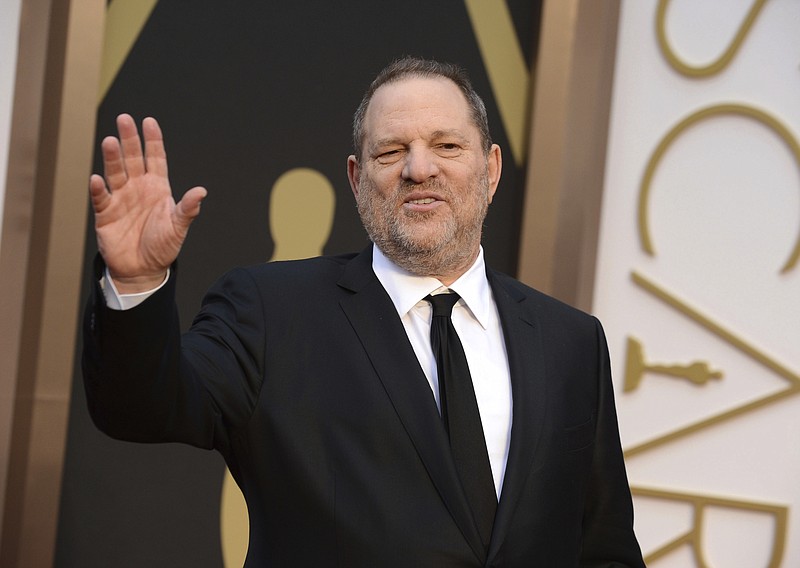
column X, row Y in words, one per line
column 424, row 180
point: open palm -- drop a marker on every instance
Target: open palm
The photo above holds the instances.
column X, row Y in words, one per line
column 140, row 229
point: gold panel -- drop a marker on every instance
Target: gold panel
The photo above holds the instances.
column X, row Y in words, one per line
column 53, row 126
column 571, row 103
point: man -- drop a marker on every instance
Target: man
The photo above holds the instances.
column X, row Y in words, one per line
column 316, row 381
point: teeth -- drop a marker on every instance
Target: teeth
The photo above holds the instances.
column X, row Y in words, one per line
column 422, row 201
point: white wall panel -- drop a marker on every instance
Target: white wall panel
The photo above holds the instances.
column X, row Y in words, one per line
column 9, row 34
column 719, row 455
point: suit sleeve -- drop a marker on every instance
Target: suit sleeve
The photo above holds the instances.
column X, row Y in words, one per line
column 144, row 382
column 608, row 537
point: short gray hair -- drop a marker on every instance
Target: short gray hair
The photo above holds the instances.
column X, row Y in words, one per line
column 424, row 68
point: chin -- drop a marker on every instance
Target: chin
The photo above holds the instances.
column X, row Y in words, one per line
column 428, row 228
column 428, row 241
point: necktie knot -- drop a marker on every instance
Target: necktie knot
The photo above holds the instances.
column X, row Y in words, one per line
column 443, row 304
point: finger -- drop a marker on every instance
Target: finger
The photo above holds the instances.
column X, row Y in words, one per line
column 113, row 165
column 98, row 193
column 189, row 206
column 155, row 156
column 131, row 146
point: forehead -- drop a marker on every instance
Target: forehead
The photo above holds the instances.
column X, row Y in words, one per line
column 414, row 103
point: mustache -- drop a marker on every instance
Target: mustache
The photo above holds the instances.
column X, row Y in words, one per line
column 430, row 183
column 406, row 187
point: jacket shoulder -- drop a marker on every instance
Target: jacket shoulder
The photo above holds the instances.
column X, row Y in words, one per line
column 541, row 303
column 302, row 274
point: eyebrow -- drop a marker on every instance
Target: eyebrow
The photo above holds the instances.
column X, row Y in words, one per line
column 436, row 134
column 455, row 133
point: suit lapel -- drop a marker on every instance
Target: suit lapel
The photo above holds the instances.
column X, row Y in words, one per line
column 373, row 317
column 529, row 395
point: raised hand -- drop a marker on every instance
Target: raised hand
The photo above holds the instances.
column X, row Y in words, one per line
column 140, row 229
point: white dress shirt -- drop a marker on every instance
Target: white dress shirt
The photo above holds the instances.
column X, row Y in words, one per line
column 478, row 326
column 476, row 321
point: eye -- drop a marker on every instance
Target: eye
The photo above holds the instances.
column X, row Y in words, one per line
column 448, row 148
column 388, row 156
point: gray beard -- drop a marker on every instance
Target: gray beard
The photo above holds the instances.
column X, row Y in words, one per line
column 450, row 248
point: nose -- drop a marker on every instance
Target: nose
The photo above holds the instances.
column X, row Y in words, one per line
column 420, row 165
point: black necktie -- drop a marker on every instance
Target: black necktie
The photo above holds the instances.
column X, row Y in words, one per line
column 461, row 417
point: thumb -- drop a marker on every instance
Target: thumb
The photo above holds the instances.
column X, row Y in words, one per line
column 98, row 193
column 189, row 206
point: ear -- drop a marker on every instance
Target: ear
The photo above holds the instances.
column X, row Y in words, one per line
column 494, row 167
column 353, row 173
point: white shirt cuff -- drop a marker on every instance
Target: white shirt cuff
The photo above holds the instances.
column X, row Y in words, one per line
column 117, row 301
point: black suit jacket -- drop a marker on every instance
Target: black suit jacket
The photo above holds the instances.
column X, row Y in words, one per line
column 301, row 374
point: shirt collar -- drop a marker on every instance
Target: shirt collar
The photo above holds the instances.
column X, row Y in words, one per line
column 406, row 289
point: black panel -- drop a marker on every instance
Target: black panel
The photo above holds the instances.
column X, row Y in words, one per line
column 245, row 91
